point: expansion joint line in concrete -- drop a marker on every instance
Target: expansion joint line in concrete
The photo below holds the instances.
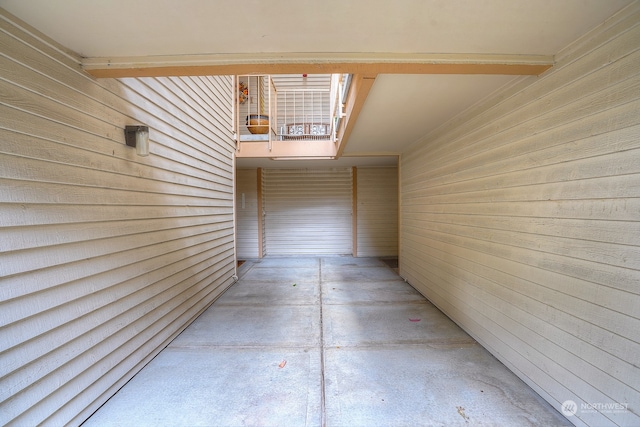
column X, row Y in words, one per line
column 322, row 350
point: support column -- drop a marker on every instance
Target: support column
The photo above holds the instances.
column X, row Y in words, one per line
column 260, row 215
column 354, row 210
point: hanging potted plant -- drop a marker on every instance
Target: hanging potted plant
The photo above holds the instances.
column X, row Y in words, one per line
column 258, row 123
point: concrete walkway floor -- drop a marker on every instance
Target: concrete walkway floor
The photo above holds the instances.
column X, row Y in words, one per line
column 331, row 341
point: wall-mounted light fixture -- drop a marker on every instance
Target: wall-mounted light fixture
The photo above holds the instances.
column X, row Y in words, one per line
column 137, row 136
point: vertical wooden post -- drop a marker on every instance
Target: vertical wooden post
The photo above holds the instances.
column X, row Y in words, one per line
column 260, row 215
column 354, row 211
column 399, row 207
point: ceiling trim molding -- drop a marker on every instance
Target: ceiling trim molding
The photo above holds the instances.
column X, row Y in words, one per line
column 316, row 63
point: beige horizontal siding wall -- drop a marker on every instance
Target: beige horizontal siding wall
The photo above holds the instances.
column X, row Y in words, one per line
column 377, row 211
column 104, row 256
column 247, row 213
column 307, row 211
column 521, row 221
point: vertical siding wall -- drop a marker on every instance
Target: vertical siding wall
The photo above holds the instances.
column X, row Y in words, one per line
column 247, row 213
column 377, row 213
column 104, row 256
column 521, row 221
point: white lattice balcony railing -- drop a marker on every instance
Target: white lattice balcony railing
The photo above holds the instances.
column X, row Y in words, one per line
column 305, row 114
column 289, row 115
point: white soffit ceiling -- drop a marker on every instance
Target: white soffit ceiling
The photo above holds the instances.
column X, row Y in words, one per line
column 188, row 27
column 400, row 109
column 344, row 161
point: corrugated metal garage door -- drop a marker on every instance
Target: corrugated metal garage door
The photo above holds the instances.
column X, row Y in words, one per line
column 308, row 211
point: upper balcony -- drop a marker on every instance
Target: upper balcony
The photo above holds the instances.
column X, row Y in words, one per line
column 290, row 116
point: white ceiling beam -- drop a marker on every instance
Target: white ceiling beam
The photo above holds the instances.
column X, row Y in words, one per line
column 316, row 63
column 358, row 92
